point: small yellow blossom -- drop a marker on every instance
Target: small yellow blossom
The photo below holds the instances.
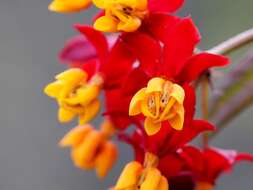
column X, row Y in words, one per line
column 160, row 101
column 147, row 177
column 90, row 149
column 75, row 95
column 120, row 15
column 204, row 186
column 68, row 6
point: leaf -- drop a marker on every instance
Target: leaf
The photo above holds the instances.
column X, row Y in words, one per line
column 234, row 94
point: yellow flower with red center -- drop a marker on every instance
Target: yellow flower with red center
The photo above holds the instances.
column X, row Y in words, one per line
column 161, row 100
column 91, row 148
column 120, row 15
column 147, row 177
column 68, row 6
column 75, row 95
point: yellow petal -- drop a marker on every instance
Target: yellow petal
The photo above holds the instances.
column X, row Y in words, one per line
column 99, row 3
column 146, row 110
column 177, row 122
column 72, row 75
column 90, row 112
column 84, row 95
column 151, row 127
column 68, row 6
column 75, row 136
column 152, row 180
column 106, row 24
column 163, row 184
column 135, row 4
column 167, row 109
column 178, row 93
column 155, row 85
column 65, row 115
column 129, row 177
column 53, row 89
column 106, row 159
column 135, row 104
column 131, row 25
column 86, row 152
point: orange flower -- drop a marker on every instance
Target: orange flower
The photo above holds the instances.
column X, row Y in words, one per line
column 147, row 177
column 91, row 149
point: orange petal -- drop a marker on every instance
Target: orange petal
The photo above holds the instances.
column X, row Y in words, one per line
column 151, row 127
column 68, row 6
column 152, row 180
column 90, row 112
column 135, row 104
column 131, row 25
column 155, row 85
column 178, row 93
column 107, row 128
column 129, row 177
column 106, row 159
column 177, row 122
column 75, row 136
column 83, row 164
column 163, row 184
column 106, row 24
column 86, row 152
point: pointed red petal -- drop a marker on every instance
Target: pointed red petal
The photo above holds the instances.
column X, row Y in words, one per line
column 159, row 25
column 97, row 39
column 77, row 49
column 197, row 64
column 164, row 5
column 145, row 48
column 179, row 46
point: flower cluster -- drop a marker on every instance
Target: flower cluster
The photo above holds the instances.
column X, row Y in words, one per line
column 144, row 70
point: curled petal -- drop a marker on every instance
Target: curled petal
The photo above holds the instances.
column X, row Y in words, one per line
column 152, row 127
column 135, row 104
column 90, row 112
column 178, row 93
column 53, row 89
column 155, row 85
column 75, row 136
column 68, row 6
column 65, row 115
column 129, row 177
column 72, row 75
column 105, row 159
column 106, row 24
column 152, row 180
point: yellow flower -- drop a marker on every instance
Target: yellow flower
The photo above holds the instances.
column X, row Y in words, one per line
column 204, row 186
column 147, row 177
column 75, row 95
column 120, row 15
column 90, row 149
column 161, row 100
column 68, row 6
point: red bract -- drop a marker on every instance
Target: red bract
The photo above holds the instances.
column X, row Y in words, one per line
column 164, row 5
column 209, row 164
column 173, row 56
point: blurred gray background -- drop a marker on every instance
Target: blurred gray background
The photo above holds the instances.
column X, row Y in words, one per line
column 30, row 38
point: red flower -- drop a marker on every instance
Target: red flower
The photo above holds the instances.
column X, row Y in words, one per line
column 209, row 164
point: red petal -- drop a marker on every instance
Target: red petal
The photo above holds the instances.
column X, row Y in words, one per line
column 97, row 39
column 90, row 67
column 77, row 49
column 179, row 46
column 146, row 49
column 159, row 25
column 130, row 86
column 119, row 64
column 200, row 63
column 164, row 5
